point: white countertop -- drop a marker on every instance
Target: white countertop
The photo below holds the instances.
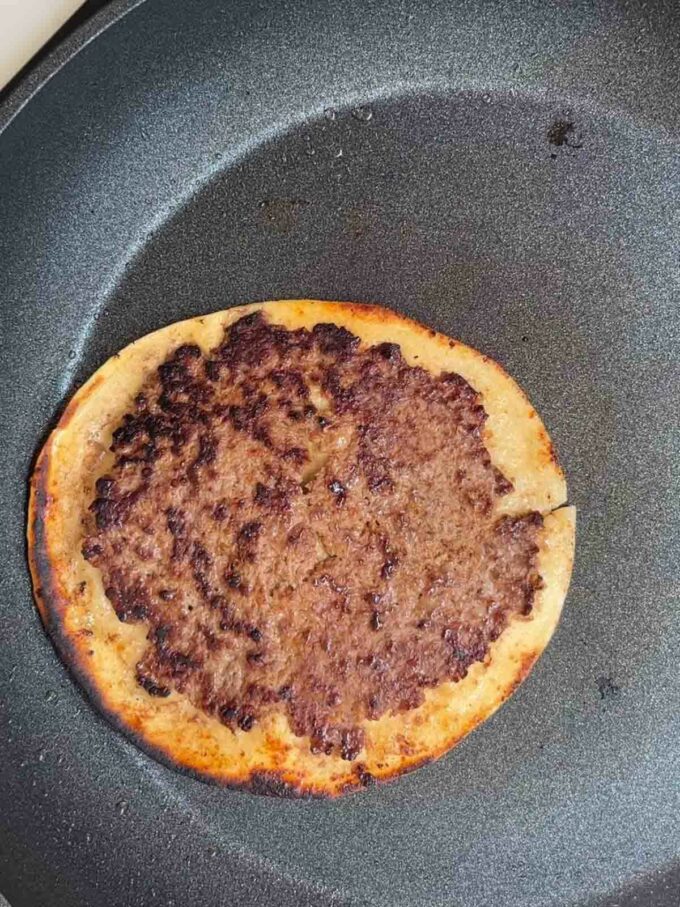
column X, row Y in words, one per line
column 25, row 25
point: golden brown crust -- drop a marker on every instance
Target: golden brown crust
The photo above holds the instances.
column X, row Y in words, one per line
column 102, row 652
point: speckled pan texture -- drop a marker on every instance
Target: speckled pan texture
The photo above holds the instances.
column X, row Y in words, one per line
column 508, row 173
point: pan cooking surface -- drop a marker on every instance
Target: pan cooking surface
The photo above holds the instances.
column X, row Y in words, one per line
column 508, row 174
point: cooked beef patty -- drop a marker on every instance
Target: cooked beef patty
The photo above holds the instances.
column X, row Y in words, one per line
column 307, row 526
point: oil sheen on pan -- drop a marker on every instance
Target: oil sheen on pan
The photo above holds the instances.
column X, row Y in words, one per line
column 299, row 547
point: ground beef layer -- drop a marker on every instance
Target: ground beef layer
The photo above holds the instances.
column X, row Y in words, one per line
column 307, row 526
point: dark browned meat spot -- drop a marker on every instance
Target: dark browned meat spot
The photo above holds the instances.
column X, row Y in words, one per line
column 150, row 685
column 326, row 560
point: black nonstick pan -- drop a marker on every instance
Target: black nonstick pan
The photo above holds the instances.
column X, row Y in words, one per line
column 508, row 173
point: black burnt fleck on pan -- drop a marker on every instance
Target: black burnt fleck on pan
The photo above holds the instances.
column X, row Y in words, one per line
column 564, row 135
column 607, row 689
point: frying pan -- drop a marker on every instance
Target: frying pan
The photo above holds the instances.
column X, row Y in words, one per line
column 506, row 172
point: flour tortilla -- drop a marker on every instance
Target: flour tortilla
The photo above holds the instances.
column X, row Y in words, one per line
column 102, row 652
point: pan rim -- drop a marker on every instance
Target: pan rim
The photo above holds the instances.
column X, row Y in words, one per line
column 34, row 76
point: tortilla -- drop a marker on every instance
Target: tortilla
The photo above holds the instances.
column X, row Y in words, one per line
column 102, row 652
